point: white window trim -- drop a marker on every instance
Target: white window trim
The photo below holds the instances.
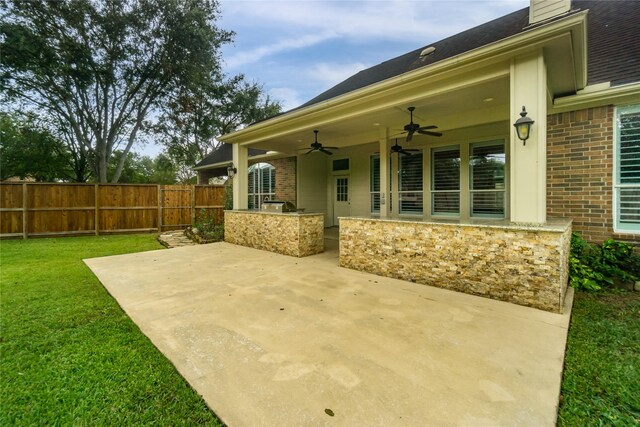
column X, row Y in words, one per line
column 399, row 202
column 464, row 145
column 634, row 108
column 260, row 194
column 471, row 191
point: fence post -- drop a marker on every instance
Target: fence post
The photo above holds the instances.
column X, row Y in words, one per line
column 193, row 204
column 160, row 209
column 25, row 210
column 97, row 206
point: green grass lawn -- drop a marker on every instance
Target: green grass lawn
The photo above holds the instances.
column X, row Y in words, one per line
column 68, row 353
column 601, row 383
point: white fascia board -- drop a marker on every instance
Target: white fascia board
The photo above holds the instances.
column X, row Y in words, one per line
column 266, row 156
column 591, row 97
column 573, row 25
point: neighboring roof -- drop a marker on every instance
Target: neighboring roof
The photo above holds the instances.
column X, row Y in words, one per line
column 224, row 154
column 612, row 43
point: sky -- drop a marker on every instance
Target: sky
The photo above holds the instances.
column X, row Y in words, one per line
column 297, row 49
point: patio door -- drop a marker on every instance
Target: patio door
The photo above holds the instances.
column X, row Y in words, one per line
column 341, row 199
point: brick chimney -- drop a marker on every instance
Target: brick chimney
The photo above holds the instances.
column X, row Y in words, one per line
column 540, row 10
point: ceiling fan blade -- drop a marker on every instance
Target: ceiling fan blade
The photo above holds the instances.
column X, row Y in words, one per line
column 428, row 127
column 327, row 152
column 409, row 136
column 310, row 151
column 405, row 152
column 331, row 148
column 427, row 132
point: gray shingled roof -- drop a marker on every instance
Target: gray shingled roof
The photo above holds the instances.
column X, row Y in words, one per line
column 224, row 154
column 612, row 42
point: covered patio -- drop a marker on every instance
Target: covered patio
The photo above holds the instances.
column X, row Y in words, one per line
column 269, row 339
column 478, row 184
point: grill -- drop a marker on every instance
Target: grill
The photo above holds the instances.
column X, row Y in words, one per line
column 278, row 206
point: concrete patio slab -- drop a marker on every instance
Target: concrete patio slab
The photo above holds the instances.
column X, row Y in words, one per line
column 271, row 340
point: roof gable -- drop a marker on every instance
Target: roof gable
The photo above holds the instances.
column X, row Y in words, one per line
column 613, row 47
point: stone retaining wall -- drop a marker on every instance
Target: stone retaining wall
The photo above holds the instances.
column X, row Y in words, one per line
column 522, row 265
column 292, row 234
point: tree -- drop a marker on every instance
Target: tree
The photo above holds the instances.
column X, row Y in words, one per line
column 28, row 151
column 99, row 68
column 200, row 113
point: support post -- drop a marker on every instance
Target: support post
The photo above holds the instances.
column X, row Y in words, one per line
column 528, row 162
column 241, row 177
column 25, row 210
column 384, row 172
column 159, row 208
column 193, row 204
column 96, row 203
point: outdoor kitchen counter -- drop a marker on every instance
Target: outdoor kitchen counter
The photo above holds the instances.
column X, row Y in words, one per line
column 296, row 234
column 525, row 264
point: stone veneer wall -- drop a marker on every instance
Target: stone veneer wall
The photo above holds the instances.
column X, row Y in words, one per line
column 580, row 171
column 515, row 264
column 293, row 234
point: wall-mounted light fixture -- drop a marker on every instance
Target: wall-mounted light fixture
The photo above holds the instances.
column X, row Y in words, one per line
column 523, row 126
column 231, row 171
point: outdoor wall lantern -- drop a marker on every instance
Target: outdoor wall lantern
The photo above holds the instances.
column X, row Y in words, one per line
column 231, row 171
column 523, row 126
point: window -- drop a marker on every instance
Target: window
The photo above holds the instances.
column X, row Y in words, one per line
column 340, row 165
column 410, row 183
column 342, row 189
column 486, row 179
column 627, row 180
column 262, row 184
column 374, row 183
column 445, row 181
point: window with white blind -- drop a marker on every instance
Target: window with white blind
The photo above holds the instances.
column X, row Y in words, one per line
column 374, row 183
column 486, row 179
column 410, row 183
column 262, row 184
column 627, row 180
column 445, row 181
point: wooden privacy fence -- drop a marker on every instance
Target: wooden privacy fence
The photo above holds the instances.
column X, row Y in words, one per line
column 52, row 209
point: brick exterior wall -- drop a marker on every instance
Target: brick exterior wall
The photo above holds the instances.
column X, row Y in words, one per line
column 580, row 171
column 285, row 177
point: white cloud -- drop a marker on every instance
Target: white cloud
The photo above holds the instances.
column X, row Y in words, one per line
column 254, row 55
column 289, row 97
column 332, row 74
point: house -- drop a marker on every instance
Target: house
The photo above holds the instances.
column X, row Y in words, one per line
column 477, row 209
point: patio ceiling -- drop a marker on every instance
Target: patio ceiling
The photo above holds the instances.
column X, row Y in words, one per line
column 486, row 102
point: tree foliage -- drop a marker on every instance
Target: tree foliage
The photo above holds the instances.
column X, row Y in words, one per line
column 28, row 151
column 98, row 68
column 139, row 169
column 199, row 113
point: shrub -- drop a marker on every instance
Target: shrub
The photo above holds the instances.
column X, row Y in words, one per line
column 592, row 267
column 206, row 228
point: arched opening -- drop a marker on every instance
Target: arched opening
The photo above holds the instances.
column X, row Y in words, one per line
column 262, row 184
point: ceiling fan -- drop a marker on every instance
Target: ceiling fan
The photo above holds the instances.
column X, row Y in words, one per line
column 398, row 149
column 316, row 146
column 412, row 128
